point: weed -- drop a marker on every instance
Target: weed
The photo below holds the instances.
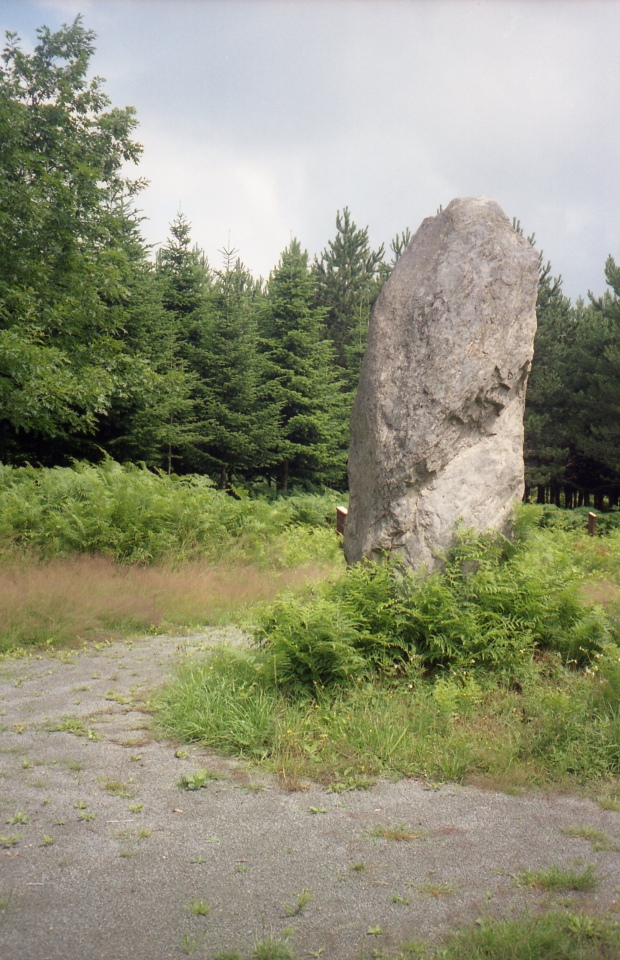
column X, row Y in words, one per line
column 374, row 931
column 47, row 841
column 75, row 766
column 190, row 944
column 318, row 810
column 599, row 840
column 9, row 841
column 117, row 789
column 116, row 697
column 197, row 780
column 294, row 909
column 181, row 754
column 135, row 757
column 5, row 899
column 87, row 815
column 272, row 949
column 127, row 854
column 199, row 859
column 19, row 817
column 227, row 955
column 552, row 936
column 436, row 889
column 80, row 804
column 241, row 866
column 398, row 833
column 558, row 878
column 402, row 900
column 357, row 867
column 199, row 908
column 135, row 807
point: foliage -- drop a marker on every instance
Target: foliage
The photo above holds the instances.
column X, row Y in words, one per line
column 552, row 936
column 491, row 609
column 299, row 382
column 65, row 257
column 131, row 514
column 372, row 674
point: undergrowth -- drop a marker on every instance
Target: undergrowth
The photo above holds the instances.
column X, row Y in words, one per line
column 494, row 670
column 98, row 552
column 129, row 514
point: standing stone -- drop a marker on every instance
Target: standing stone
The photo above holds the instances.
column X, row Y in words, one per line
column 437, row 423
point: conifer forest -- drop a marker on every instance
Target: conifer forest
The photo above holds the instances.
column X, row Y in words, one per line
column 188, row 366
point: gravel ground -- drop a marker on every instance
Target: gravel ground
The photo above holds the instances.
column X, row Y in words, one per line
column 114, row 852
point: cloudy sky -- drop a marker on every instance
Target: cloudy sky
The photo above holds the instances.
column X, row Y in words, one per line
column 261, row 118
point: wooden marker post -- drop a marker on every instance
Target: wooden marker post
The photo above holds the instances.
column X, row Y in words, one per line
column 591, row 523
column 341, row 520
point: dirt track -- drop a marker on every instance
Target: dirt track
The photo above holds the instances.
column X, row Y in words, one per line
column 92, row 877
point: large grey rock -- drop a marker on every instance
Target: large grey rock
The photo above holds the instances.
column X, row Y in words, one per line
column 437, row 423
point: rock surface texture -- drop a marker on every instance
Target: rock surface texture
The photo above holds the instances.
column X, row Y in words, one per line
column 437, row 423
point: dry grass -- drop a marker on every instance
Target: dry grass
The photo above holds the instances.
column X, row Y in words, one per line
column 67, row 601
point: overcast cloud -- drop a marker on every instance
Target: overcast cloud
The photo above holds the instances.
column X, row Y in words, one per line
column 261, row 118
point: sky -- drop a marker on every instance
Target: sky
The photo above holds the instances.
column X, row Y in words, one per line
column 260, row 119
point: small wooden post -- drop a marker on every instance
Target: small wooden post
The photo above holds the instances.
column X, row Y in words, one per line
column 341, row 520
column 591, row 523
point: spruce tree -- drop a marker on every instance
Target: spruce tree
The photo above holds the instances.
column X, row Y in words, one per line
column 237, row 430
column 348, row 279
column 298, row 379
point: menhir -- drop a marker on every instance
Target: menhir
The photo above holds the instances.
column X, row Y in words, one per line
column 437, row 423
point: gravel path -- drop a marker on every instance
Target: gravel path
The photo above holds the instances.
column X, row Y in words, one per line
column 114, row 854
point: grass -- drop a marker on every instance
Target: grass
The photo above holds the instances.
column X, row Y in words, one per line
column 116, row 788
column 549, row 936
column 199, row 908
column 96, row 552
column 11, row 840
column 400, row 832
column 199, row 779
column 436, row 889
column 272, row 949
column 301, row 902
column 560, row 879
column 495, row 673
column 599, row 840
column 72, row 600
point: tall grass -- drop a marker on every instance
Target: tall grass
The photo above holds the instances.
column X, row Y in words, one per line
column 70, row 600
column 91, row 552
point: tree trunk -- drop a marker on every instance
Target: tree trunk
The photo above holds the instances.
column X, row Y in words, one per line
column 223, row 477
column 284, row 477
column 540, row 493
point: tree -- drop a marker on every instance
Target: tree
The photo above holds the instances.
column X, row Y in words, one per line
column 348, row 280
column 549, row 425
column 64, row 263
column 600, row 398
column 238, row 428
column 298, row 377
